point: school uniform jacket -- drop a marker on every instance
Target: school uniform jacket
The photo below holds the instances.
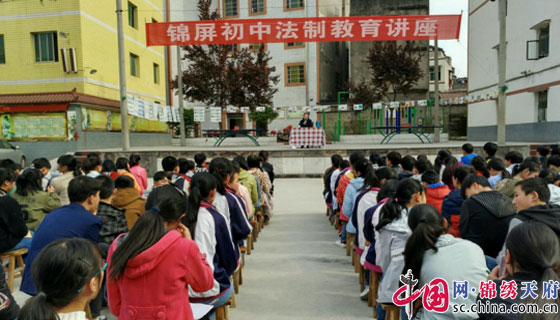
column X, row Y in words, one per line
column 364, row 201
column 370, row 234
column 240, row 226
column 213, row 239
column 342, row 183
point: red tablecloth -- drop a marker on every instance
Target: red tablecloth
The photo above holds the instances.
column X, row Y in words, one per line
column 312, row 137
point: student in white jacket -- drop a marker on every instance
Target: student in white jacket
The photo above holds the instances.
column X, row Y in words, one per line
column 393, row 233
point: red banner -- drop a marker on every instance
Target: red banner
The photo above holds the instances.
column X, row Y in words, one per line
column 331, row 29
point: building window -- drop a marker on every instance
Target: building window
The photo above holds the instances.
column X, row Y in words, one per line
column 256, row 47
column 295, row 74
column 294, row 45
column 257, row 7
column 156, row 73
column 134, row 65
column 542, row 100
column 433, row 74
column 231, row 8
column 293, row 4
column 2, row 50
column 132, row 15
column 544, row 41
column 46, row 47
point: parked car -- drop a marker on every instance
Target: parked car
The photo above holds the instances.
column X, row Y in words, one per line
column 8, row 151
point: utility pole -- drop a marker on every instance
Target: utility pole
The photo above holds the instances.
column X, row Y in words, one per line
column 180, row 98
column 437, row 120
column 122, row 80
column 502, row 74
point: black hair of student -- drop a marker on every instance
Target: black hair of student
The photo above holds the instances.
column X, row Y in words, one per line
column 549, row 175
column 147, row 231
column 82, row 187
column 491, row 148
column 554, row 150
column 160, row 175
column 183, row 165
column 427, row 226
column 254, row 161
column 499, row 165
column 375, row 158
column 407, row 162
column 366, row 172
column 441, row 157
column 386, row 173
column 394, row 157
column 29, row 182
column 107, row 186
column 528, row 164
column 543, row 151
column 472, row 179
column 344, row 164
column 71, row 163
column 108, row 166
column 468, row 148
column 241, row 162
column 169, row 163
column 124, row 182
column 10, row 164
column 392, row 209
column 90, row 163
column 60, row 270
column 6, row 175
column 430, row 177
column 336, row 159
column 479, row 164
column 199, row 158
column 122, row 164
column 134, row 160
column 41, row 163
column 355, row 156
column 265, row 155
column 201, row 186
column 514, row 157
column 388, row 189
column 190, row 165
column 537, row 185
column 422, row 157
column 461, row 172
column 534, row 249
column 236, row 169
column 554, row 160
column 221, row 168
column 422, row 165
column 451, row 164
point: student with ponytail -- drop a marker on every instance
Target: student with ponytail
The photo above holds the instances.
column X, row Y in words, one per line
column 68, row 167
column 526, row 170
column 393, row 233
column 210, row 231
column 68, row 274
column 533, row 254
column 152, row 267
column 498, row 171
column 432, row 253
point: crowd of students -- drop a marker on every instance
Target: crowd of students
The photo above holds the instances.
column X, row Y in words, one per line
column 176, row 242
column 476, row 219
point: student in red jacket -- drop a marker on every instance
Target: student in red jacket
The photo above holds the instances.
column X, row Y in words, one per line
column 152, row 267
column 435, row 189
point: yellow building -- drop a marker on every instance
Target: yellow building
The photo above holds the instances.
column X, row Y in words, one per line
column 62, row 55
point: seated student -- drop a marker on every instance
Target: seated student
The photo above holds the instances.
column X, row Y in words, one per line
column 43, row 165
column 92, row 165
column 11, row 165
column 376, row 160
column 171, row 167
column 344, row 165
column 268, row 168
column 431, row 253
column 407, row 164
column 552, row 178
column 210, row 232
column 554, row 163
column 152, row 267
column 479, row 164
column 243, row 192
column 128, row 199
column 532, row 254
column 68, row 167
column 186, row 168
column 336, row 159
column 420, row 166
column 249, row 181
column 254, row 162
column 436, row 190
column 385, row 174
column 160, row 179
column 490, row 149
column 451, row 205
column 14, row 234
column 468, row 154
column 76, row 220
column 485, row 215
column 114, row 220
column 201, row 165
column 123, row 169
column 543, row 152
column 439, row 162
column 393, row 233
column 497, row 170
column 451, row 164
column 34, row 201
column 138, row 171
column 9, row 309
column 110, row 169
column 394, row 161
column 511, row 159
column 526, row 170
column 68, row 274
column 344, row 180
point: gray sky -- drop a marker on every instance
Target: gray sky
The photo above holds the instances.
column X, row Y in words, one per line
column 457, row 50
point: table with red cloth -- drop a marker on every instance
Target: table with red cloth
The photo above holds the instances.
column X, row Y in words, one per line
column 312, row 137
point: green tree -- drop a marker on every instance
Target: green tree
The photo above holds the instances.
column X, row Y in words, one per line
column 262, row 119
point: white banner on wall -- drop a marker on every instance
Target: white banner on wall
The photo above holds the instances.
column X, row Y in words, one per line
column 215, row 114
column 199, row 114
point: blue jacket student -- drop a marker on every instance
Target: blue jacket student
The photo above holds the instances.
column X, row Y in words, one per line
column 350, row 196
column 466, row 159
column 451, row 210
